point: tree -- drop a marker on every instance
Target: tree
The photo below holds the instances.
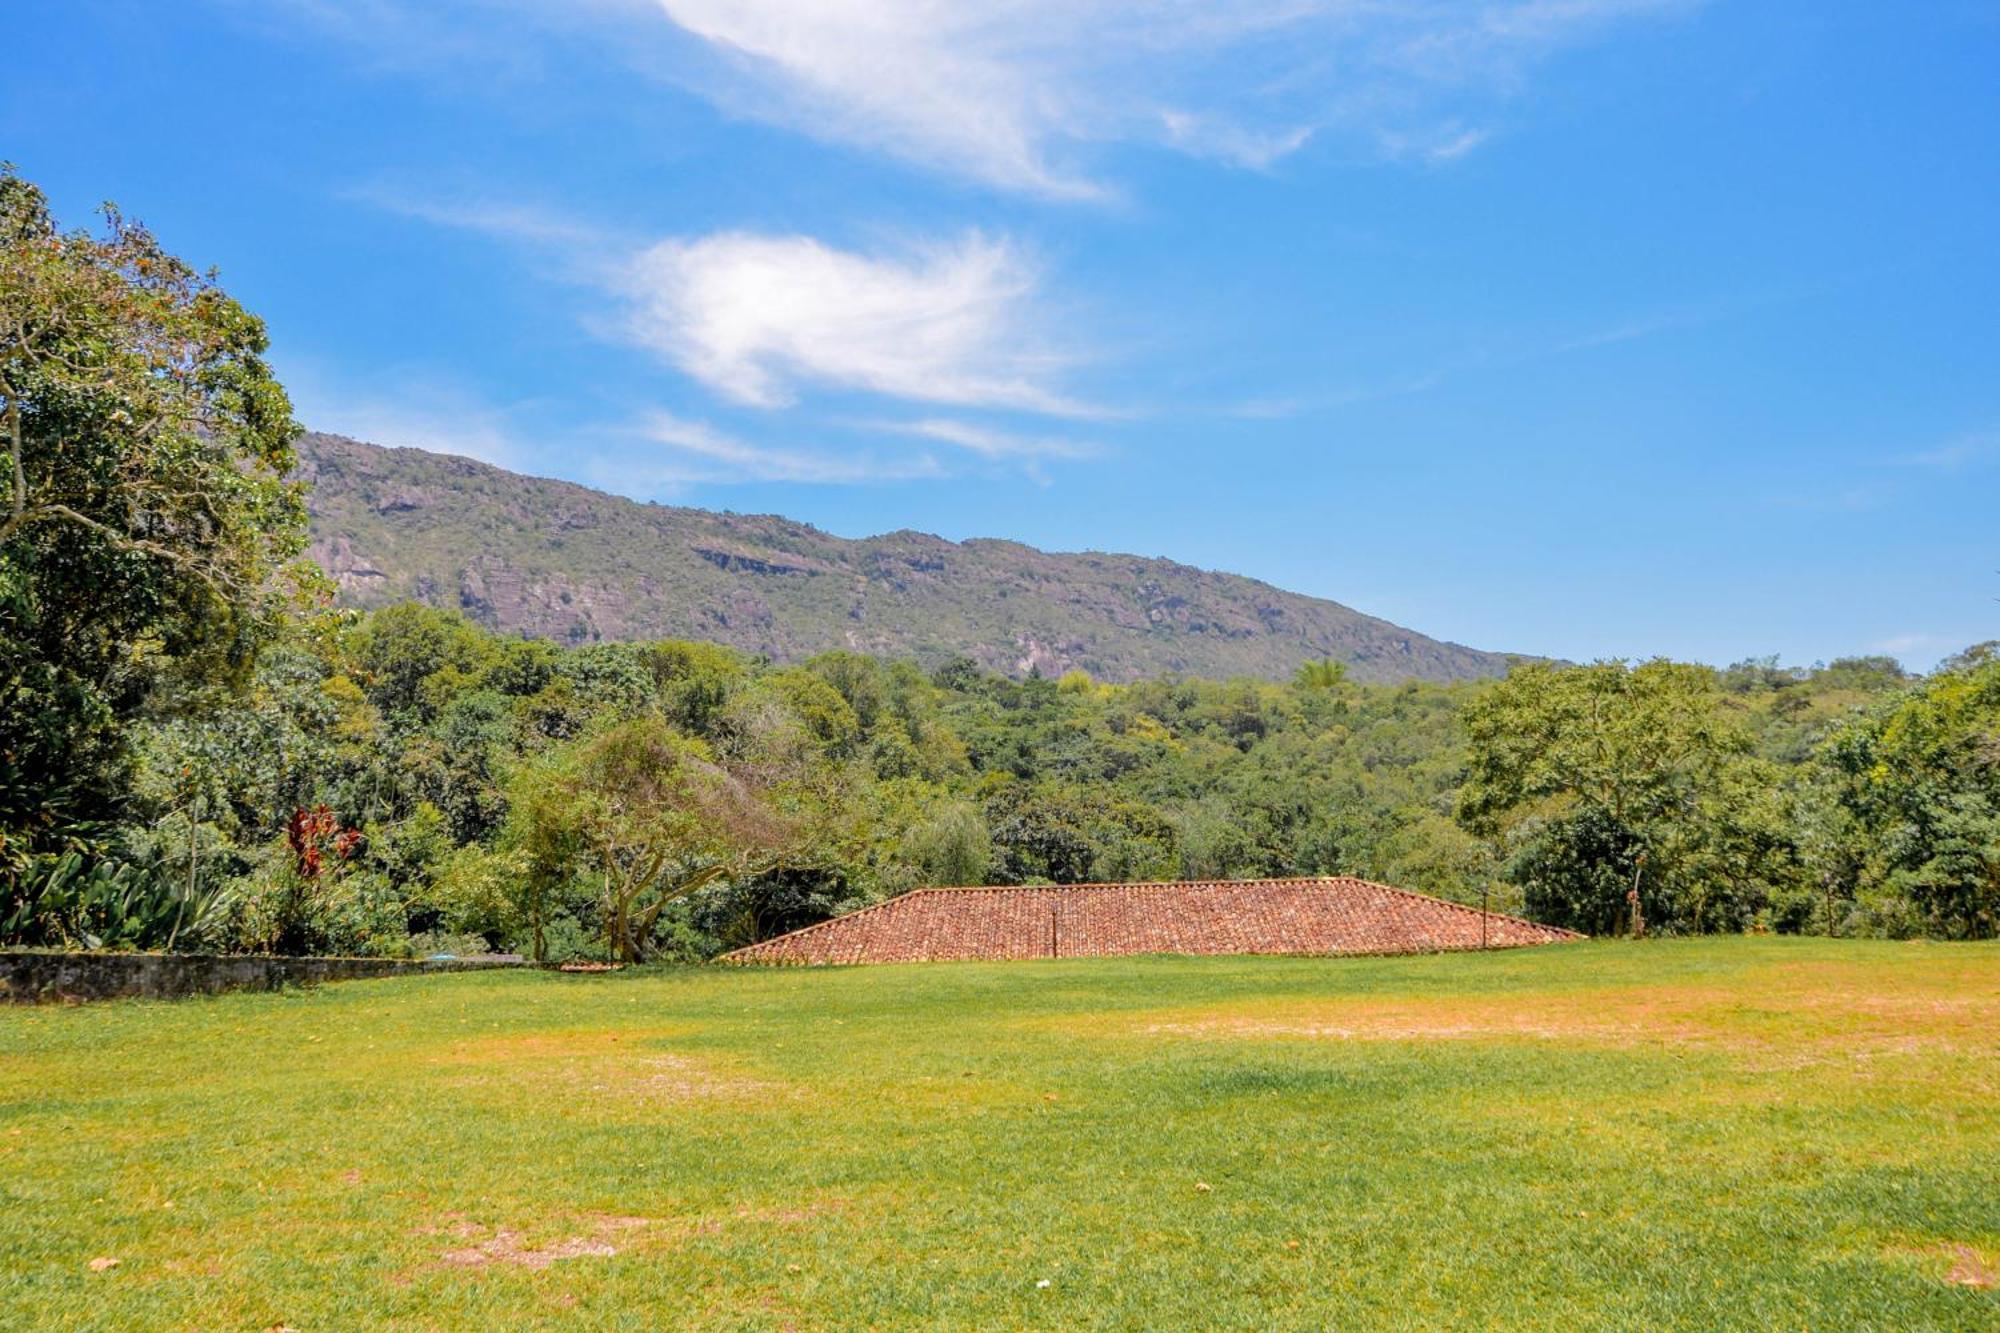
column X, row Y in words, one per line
column 1041, row 834
column 952, row 846
column 1577, row 872
column 144, row 515
column 1212, row 841
column 1915, row 787
column 1324, row 674
column 650, row 814
column 410, row 656
column 1584, row 771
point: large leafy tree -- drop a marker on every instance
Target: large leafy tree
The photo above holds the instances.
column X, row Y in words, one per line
column 651, row 816
column 1605, row 777
column 144, row 515
column 1913, row 788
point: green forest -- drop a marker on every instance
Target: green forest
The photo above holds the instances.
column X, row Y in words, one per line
column 200, row 751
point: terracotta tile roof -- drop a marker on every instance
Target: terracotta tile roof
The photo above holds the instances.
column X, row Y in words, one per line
column 1267, row 916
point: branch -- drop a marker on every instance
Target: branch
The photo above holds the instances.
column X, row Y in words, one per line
column 181, row 560
column 699, row 879
column 20, row 497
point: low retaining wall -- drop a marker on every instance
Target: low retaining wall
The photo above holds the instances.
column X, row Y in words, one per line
column 30, row 978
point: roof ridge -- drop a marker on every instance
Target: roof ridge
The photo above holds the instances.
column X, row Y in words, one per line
column 1137, row 884
column 822, row 925
column 1467, row 907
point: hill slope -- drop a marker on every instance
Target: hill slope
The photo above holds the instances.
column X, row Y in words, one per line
column 557, row 560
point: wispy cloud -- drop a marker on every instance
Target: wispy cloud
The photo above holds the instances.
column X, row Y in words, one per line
column 660, row 452
column 506, row 219
column 1455, row 145
column 1913, row 642
column 1014, row 94
column 1023, row 94
column 1513, row 351
column 1954, row 456
column 1636, row 329
column 1880, row 485
column 756, row 317
column 961, row 320
column 1279, row 407
column 763, row 320
column 1286, row 407
column 685, row 452
column 989, row 443
column 1206, row 136
column 696, row 452
column 1835, row 500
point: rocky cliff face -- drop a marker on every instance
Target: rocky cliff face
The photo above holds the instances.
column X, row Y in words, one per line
column 556, row 560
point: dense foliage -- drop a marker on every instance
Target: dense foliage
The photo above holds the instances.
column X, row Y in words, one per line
column 143, row 512
column 1617, row 786
column 405, row 780
column 196, row 752
column 676, row 797
column 1911, row 804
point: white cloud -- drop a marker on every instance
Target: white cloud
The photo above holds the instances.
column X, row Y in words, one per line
column 759, row 319
column 690, row 453
column 1455, row 145
column 1914, row 642
column 510, row 220
column 990, row 443
column 1021, row 94
column 1013, row 92
column 952, row 84
column 755, row 317
column 1203, row 136
column 1954, row 456
column 701, row 453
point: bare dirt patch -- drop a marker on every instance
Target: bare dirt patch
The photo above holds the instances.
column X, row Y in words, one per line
column 507, row 1247
column 593, row 1234
column 511, row 1248
column 1957, row 1264
column 1969, row 1268
column 680, row 1078
column 792, row 1216
column 1796, row 1014
column 613, row 1222
column 622, row 1064
column 1648, row 1016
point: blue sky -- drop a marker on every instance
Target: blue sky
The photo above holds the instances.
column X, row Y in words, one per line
column 1580, row 327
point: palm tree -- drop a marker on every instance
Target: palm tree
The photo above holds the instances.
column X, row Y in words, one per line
column 1325, row 674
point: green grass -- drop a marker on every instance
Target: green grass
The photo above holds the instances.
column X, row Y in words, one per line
column 1754, row 1133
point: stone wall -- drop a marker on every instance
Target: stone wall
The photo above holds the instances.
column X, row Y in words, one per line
column 31, row 978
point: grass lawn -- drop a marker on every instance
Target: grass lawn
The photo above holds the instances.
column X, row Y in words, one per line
column 1747, row 1132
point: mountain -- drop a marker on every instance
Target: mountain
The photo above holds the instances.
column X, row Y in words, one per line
column 561, row 561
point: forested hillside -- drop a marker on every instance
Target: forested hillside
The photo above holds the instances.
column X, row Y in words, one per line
column 560, row 561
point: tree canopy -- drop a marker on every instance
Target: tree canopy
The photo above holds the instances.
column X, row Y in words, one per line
column 144, row 520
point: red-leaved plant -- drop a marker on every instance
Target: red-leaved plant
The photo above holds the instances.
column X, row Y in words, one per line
column 312, row 834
